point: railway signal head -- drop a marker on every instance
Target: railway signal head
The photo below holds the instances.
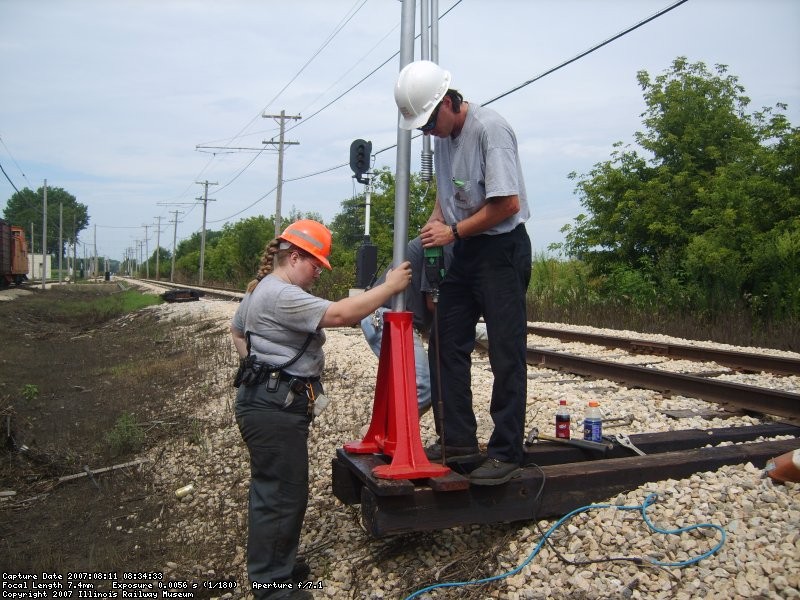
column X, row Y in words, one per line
column 360, row 151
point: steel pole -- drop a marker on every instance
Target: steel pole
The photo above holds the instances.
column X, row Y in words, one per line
column 403, row 169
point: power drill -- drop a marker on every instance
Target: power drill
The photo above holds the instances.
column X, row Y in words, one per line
column 434, row 268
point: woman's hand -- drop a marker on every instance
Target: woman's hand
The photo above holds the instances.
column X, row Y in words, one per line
column 398, row 278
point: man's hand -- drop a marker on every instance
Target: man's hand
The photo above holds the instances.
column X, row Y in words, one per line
column 436, row 233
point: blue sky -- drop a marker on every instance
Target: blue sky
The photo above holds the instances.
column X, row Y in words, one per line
column 110, row 99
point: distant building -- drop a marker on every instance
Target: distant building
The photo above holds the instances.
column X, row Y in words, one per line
column 36, row 264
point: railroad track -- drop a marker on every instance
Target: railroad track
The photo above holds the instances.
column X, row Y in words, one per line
column 734, row 397
column 557, row 478
column 211, row 292
column 744, row 361
column 730, row 395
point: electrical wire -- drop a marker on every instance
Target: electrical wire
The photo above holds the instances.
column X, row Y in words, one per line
column 353, row 11
column 330, row 38
column 9, row 178
column 346, row 19
column 526, row 83
column 367, row 76
column 246, row 207
column 2, row 141
column 587, row 52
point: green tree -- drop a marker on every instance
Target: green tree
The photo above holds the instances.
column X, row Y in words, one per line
column 25, row 207
column 348, row 225
column 706, row 209
column 236, row 255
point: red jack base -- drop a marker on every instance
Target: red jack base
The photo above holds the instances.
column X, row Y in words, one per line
column 394, row 428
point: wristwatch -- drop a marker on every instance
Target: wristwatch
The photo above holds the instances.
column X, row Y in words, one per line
column 454, row 229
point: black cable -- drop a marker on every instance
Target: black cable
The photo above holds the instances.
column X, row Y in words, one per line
column 522, row 85
column 9, row 178
column 587, row 52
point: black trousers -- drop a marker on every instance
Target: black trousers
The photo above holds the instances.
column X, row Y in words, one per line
column 488, row 277
column 277, row 439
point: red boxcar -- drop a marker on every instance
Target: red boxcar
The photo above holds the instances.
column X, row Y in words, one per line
column 13, row 255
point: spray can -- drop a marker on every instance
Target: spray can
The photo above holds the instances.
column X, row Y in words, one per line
column 593, row 423
column 562, row 420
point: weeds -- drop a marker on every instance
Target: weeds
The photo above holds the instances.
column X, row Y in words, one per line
column 127, row 436
column 566, row 292
column 30, row 392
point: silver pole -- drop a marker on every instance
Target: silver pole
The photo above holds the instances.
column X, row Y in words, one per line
column 44, row 235
column 426, row 170
column 403, row 169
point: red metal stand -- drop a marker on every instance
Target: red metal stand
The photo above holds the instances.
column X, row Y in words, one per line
column 394, row 428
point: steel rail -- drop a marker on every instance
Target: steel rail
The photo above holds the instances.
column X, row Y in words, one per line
column 746, row 361
column 762, row 400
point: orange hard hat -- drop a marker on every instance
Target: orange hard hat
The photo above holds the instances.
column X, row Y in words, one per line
column 311, row 236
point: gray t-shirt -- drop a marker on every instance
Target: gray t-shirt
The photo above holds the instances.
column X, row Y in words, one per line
column 481, row 163
column 279, row 316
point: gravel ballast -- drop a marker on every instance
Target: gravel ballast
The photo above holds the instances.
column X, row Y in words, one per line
column 760, row 556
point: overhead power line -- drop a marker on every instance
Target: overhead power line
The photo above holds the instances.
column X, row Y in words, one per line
column 587, row 52
column 504, row 94
column 345, row 20
column 9, row 178
column 522, row 85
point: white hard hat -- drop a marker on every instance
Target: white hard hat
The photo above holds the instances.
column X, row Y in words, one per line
column 420, row 87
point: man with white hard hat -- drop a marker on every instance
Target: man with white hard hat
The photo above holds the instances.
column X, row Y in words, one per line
column 481, row 207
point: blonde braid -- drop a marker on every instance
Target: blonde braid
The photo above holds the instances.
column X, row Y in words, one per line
column 267, row 263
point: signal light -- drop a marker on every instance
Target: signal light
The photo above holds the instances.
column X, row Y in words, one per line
column 360, row 151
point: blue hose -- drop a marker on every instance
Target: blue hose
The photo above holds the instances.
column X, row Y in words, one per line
column 640, row 507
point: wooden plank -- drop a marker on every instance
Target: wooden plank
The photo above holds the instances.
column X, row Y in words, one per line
column 448, row 483
column 552, row 453
column 362, row 464
column 346, row 486
column 353, row 471
column 705, row 414
column 566, row 487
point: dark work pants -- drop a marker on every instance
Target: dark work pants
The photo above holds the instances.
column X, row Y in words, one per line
column 277, row 439
column 488, row 277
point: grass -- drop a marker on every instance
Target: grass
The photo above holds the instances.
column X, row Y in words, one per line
column 127, row 436
column 565, row 292
column 87, row 306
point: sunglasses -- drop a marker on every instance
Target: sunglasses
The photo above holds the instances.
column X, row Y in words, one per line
column 314, row 263
column 431, row 124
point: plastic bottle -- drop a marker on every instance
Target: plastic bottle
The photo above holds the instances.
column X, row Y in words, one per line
column 593, row 423
column 562, row 420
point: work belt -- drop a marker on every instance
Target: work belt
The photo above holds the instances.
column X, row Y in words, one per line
column 252, row 372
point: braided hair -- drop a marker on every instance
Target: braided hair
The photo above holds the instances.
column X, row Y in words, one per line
column 275, row 253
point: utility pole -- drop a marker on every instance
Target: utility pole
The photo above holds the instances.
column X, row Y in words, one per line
column 74, row 250
column 205, row 200
column 158, row 248
column 60, row 238
column 44, row 234
column 94, row 266
column 146, row 251
column 174, row 237
column 281, row 143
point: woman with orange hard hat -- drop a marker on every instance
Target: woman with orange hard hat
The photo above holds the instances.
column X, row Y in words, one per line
column 278, row 333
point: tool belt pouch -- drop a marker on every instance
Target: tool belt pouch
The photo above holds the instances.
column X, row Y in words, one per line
column 273, row 381
column 240, row 372
column 251, row 373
